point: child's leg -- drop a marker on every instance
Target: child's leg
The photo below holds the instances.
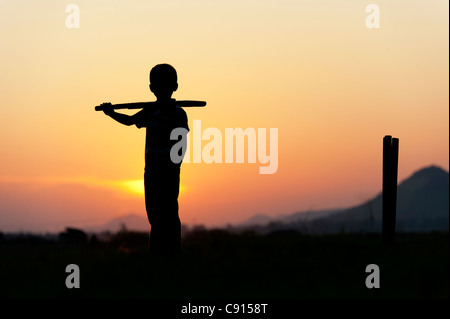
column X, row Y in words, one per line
column 161, row 199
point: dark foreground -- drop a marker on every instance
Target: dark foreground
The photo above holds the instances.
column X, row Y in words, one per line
column 220, row 265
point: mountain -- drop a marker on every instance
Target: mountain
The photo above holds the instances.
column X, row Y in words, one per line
column 259, row 219
column 422, row 206
column 130, row 222
column 262, row 220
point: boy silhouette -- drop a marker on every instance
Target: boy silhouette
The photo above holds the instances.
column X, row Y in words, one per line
column 161, row 175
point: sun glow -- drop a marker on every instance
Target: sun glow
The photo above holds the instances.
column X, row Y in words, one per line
column 135, row 186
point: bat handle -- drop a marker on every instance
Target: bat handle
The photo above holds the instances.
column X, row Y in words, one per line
column 101, row 107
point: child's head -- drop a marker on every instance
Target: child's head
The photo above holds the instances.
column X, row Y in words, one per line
column 163, row 81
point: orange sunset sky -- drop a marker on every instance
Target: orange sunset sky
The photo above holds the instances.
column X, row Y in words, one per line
column 332, row 86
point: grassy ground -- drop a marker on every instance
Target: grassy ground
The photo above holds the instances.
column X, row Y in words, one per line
column 217, row 264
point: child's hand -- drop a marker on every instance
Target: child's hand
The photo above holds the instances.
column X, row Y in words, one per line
column 107, row 108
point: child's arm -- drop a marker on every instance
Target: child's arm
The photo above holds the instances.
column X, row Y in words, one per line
column 119, row 117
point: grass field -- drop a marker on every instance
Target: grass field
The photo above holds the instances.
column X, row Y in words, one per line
column 217, row 264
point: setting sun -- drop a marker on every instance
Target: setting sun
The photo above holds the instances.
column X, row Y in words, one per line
column 135, row 186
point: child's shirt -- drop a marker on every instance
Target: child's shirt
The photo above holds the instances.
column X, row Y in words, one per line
column 159, row 123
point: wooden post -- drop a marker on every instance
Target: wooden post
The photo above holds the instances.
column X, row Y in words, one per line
column 389, row 194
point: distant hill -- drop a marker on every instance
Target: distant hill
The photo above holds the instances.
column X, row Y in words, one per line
column 130, row 222
column 262, row 220
column 422, row 206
